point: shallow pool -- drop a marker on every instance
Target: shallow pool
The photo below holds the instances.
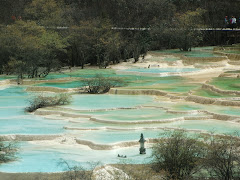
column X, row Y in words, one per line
column 226, row 83
column 196, row 52
column 46, row 158
column 163, row 70
column 43, row 156
column 107, row 101
column 113, row 136
column 73, row 84
column 14, row 119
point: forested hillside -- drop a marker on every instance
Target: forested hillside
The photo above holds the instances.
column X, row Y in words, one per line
column 31, row 44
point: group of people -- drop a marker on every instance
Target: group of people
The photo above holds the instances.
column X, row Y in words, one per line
column 232, row 22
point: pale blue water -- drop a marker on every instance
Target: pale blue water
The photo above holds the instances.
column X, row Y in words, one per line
column 163, row 70
column 226, row 110
column 146, row 114
column 113, row 136
column 41, row 158
column 14, row 120
column 107, row 101
column 136, row 114
column 187, row 107
column 108, row 136
column 31, row 125
column 218, row 127
column 45, row 157
column 200, row 54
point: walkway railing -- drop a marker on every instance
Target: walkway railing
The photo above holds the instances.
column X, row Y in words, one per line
column 143, row 29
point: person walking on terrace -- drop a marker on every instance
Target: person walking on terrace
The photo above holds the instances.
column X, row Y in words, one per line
column 226, row 22
column 234, row 22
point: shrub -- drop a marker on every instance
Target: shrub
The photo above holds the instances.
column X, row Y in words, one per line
column 7, row 151
column 222, row 160
column 178, row 155
column 45, row 101
column 77, row 172
column 100, row 84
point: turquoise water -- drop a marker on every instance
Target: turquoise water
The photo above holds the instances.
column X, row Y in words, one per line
column 73, row 84
column 134, row 80
column 200, row 54
column 131, row 80
column 226, row 110
column 107, row 101
column 196, row 52
column 56, row 76
column 7, row 77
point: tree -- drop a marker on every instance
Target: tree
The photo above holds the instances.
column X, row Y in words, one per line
column 12, row 10
column 178, row 155
column 184, row 31
column 29, row 49
column 94, row 42
column 49, row 13
column 81, row 39
column 141, row 43
column 222, row 160
column 181, row 31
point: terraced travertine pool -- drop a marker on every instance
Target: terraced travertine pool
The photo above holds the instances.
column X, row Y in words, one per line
column 96, row 127
column 107, row 107
column 226, row 83
column 211, row 94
